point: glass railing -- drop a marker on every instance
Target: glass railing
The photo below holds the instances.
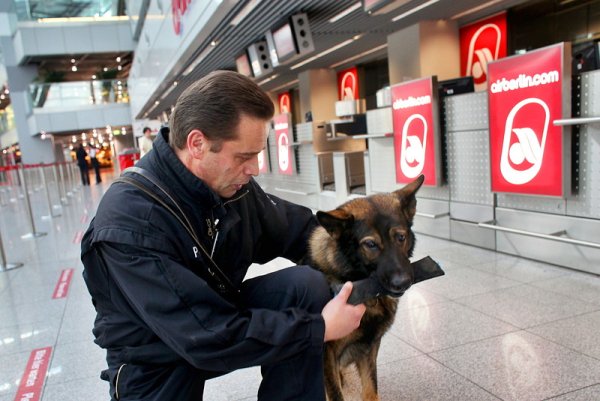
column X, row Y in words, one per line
column 31, row 10
column 79, row 93
column 7, row 119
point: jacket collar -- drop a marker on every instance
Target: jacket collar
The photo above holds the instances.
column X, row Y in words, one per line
column 166, row 165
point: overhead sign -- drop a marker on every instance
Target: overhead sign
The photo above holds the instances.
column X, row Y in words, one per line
column 348, row 84
column 481, row 43
column 285, row 102
column 178, row 8
column 283, row 138
column 416, row 131
column 529, row 154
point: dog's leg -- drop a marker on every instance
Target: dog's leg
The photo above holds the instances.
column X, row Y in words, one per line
column 333, row 385
column 367, row 370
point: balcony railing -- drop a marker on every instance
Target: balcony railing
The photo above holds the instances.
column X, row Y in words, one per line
column 28, row 10
column 79, row 93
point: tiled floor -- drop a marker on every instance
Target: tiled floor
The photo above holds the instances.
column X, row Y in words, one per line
column 496, row 327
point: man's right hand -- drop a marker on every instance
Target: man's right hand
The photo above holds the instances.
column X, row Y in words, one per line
column 340, row 317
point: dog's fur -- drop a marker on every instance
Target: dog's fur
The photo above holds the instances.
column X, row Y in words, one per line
column 362, row 237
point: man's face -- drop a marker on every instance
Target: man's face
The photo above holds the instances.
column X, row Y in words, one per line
column 227, row 170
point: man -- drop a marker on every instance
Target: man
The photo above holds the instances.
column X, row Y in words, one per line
column 81, row 155
column 145, row 142
column 160, row 316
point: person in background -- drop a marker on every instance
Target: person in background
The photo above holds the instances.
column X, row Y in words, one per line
column 95, row 164
column 166, row 323
column 81, row 155
column 146, row 142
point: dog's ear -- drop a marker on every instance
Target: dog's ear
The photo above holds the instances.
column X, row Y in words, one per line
column 335, row 221
column 408, row 201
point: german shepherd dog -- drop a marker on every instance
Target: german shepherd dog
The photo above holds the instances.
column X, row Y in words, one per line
column 366, row 237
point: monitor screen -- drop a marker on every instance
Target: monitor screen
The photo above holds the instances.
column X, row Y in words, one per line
column 585, row 57
column 243, row 65
column 456, row 86
column 284, row 42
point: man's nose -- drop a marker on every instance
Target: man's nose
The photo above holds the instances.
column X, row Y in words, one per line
column 251, row 167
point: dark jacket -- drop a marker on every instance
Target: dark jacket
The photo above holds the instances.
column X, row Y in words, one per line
column 153, row 303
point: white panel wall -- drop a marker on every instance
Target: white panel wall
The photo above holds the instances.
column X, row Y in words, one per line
column 161, row 53
column 85, row 117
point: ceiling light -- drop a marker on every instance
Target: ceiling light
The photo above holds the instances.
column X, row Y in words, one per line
column 272, row 77
column 475, row 9
column 244, row 12
column 414, row 10
column 213, row 43
column 72, row 61
column 118, row 59
column 94, row 76
column 356, row 57
column 323, row 53
column 74, row 68
column 105, row 69
column 119, row 68
column 347, row 11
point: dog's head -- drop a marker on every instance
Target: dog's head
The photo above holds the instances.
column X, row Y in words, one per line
column 370, row 236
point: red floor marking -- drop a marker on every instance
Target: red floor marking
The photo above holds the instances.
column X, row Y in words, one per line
column 62, row 286
column 30, row 388
column 78, row 237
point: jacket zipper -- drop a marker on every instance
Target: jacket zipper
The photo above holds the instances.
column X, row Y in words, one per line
column 212, row 224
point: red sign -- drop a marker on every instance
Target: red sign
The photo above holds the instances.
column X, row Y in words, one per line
column 285, row 102
column 62, row 286
column 416, row 131
column 348, row 84
column 283, row 138
column 481, row 43
column 179, row 7
column 529, row 154
column 30, row 387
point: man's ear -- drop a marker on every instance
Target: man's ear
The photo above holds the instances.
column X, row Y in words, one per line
column 197, row 144
column 335, row 221
column 408, row 201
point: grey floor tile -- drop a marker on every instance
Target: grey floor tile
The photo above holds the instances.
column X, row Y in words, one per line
column 26, row 337
column 463, row 282
column 521, row 366
column 526, row 306
column 445, row 325
column 417, row 379
column 522, row 270
column 591, row 393
column 76, row 361
column 467, row 255
column 580, row 333
column 50, row 311
column 88, row 389
column 394, row 349
column 11, row 370
column 417, row 297
column 582, row 286
column 238, row 385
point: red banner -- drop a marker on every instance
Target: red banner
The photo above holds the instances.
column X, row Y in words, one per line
column 348, row 84
column 283, row 138
column 62, row 286
column 416, row 131
column 30, row 387
column 481, row 43
column 263, row 162
column 529, row 154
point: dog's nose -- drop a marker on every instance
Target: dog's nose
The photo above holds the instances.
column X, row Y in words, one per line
column 400, row 283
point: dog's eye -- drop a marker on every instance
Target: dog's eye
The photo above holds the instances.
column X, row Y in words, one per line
column 370, row 244
column 400, row 237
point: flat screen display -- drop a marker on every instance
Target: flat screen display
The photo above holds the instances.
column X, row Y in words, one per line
column 284, row 42
column 243, row 65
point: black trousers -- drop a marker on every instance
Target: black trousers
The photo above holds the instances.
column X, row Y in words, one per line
column 296, row 379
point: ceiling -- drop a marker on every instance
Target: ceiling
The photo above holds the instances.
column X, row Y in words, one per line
column 372, row 31
column 102, row 65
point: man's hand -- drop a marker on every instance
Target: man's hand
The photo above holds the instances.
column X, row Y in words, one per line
column 340, row 317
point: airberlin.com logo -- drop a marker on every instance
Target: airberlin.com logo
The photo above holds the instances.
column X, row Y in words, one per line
column 525, row 81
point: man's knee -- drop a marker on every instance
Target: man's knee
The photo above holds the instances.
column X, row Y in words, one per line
column 312, row 289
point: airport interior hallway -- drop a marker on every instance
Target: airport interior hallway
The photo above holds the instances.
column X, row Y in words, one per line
column 495, row 327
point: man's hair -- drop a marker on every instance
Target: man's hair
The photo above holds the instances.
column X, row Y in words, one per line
column 146, row 129
column 214, row 105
